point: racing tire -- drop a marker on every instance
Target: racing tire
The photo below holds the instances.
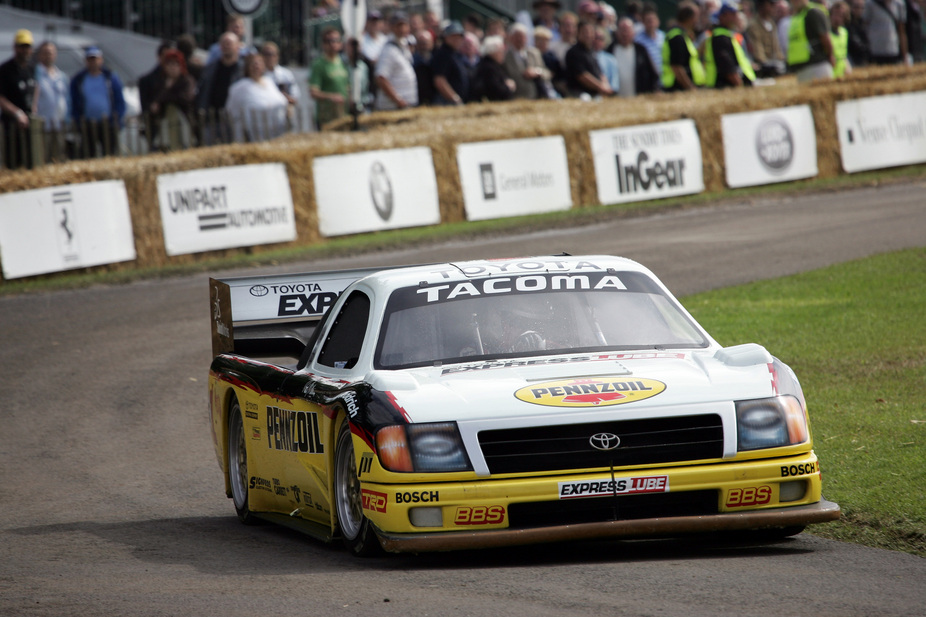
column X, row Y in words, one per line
column 356, row 530
column 238, row 476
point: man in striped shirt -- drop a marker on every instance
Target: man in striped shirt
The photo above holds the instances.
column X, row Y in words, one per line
column 651, row 37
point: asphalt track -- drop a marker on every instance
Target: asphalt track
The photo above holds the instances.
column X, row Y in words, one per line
column 111, row 501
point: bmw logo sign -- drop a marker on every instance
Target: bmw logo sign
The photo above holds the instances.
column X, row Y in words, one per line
column 381, row 191
column 604, row 441
column 259, row 291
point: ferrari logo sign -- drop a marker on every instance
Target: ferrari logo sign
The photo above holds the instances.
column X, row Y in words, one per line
column 590, row 391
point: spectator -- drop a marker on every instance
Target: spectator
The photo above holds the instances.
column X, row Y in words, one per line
column 174, row 105
column 490, row 81
column 153, row 82
column 839, row 17
column 651, row 37
column 545, row 16
column 588, row 10
column 496, row 26
column 885, row 24
column 17, row 87
column 280, row 75
column 681, row 66
column 725, row 62
column 606, row 60
column 234, row 23
column 373, row 39
column 358, row 74
column 635, row 15
column 583, row 75
column 470, row 50
column 702, row 27
column 634, row 65
column 432, row 22
column 557, row 84
column 783, row 23
column 328, row 82
column 218, row 76
column 609, row 20
column 473, row 24
column 810, row 51
column 914, row 30
column 255, row 104
column 416, row 25
column 568, row 27
column 97, row 105
column 858, row 37
column 451, row 75
column 525, row 66
column 187, row 46
column 421, row 60
column 762, row 41
column 52, row 100
column 396, row 82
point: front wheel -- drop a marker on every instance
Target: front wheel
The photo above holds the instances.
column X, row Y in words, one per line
column 356, row 530
column 238, row 464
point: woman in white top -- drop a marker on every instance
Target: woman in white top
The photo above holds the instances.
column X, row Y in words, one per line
column 255, row 104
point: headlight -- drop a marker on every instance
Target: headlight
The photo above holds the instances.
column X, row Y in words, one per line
column 770, row 423
column 423, row 448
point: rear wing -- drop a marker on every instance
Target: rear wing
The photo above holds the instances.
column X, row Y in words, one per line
column 273, row 315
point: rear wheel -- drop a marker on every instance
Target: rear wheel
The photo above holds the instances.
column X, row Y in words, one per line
column 238, row 464
column 356, row 530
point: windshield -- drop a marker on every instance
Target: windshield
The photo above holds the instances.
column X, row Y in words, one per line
column 536, row 314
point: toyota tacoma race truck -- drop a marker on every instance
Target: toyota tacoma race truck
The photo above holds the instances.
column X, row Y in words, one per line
column 499, row 402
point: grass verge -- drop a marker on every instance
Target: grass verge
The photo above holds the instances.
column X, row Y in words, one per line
column 855, row 334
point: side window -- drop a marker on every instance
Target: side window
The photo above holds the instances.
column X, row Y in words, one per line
column 345, row 338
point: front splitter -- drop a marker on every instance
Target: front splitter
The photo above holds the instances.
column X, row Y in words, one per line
column 820, row 512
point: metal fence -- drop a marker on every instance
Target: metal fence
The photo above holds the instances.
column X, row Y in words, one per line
column 35, row 146
column 282, row 21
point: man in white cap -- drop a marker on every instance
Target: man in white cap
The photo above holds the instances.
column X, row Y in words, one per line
column 17, row 85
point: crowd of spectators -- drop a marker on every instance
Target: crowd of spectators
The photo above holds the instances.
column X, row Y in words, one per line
column 403, row 60
column 240, row 92
column 593, row 52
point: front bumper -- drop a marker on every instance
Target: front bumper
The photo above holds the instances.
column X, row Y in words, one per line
column 752, row 494
column 819, row 512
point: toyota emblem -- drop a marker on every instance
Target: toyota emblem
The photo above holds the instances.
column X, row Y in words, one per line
column 604, row 441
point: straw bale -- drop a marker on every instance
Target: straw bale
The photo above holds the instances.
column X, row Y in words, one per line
column 442, row 129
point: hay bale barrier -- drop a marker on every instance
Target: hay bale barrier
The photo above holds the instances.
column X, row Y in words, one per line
column 442, row 129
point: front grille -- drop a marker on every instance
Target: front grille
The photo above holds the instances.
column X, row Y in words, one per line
column 612, row 508
column 567, row 447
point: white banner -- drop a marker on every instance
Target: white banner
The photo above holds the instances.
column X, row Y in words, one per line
column 774, row 145
column 65, row 227
column 514, row 177
column 373, row 191
column 882, row 131
column 648, row 161
column 226, row 207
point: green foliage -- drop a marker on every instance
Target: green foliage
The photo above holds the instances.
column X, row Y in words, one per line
column 855, row 334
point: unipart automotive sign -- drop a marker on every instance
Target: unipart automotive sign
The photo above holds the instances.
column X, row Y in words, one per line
column 227, row 207
column 649, row 161
column 514, row 177
column 882, row 131
column 590, row 391
column 764, row 147
column 373, row 191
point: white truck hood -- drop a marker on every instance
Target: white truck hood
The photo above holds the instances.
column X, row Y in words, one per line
column 614, row 385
